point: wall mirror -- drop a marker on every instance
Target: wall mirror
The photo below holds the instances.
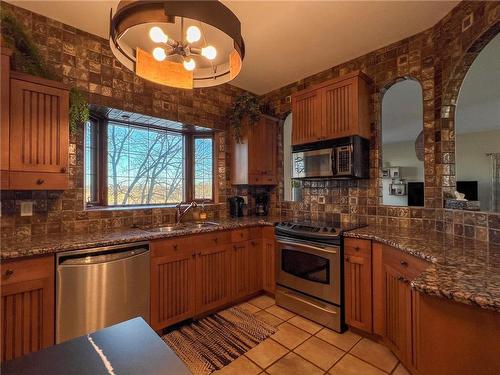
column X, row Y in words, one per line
column 403, row 145
column 477, row 131
column 291, row 188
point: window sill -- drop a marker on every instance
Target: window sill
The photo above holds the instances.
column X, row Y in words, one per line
column 142, row 207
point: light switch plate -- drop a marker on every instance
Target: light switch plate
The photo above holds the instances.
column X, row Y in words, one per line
column 27, row 208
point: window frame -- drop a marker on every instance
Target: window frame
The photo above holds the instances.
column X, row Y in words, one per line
column 101, row 158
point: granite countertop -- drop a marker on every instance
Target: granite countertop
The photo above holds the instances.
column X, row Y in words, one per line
column 462, row 270
column 53, row 243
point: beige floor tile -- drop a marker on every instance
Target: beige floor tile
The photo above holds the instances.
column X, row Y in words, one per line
column 305, row 324
column 376, row 354
column 269, row 318
column 262, row 302
column 350, row 365
column 266, row 353
column 400, row 370
column 290, row 336
column 344, row 341
column 280, row 312
column 241, row 366
column 248, row 307
column 292, row 364
column 319, row 353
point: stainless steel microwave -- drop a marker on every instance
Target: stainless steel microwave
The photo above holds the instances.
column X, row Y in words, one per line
column 341, row 158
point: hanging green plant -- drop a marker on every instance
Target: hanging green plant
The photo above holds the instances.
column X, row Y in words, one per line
column 79, row 112
column 26, row 56
column 245, row 106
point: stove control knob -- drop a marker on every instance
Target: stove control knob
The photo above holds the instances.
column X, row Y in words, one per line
column 325, row 229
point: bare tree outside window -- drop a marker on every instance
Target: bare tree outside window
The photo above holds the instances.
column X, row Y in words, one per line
column 203, row 165
column 145, row 166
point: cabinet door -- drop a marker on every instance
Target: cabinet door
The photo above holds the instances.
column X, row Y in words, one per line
column 339, row 109
column 27, row 313
column 358, row 291
column 39, row 134
column 255, row 265
column 268, row 265
column 4, row 118
column 306, row 109
column 212, row 278
column 172, row 288
column 240, row 269
column 397, row 300
column 263, row 151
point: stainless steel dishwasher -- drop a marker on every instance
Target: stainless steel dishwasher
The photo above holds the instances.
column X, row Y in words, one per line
column 100, row 287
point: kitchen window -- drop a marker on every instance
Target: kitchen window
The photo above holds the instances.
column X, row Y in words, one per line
column 137, row 160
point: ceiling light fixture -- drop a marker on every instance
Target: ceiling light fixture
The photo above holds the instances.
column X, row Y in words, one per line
column 174, row 55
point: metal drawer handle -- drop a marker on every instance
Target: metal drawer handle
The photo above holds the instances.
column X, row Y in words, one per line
column 404, row 263
column 9, row 273
column 40, row 181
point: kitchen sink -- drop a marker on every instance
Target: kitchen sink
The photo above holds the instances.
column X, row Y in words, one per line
column 205, row 224
column 183, row 226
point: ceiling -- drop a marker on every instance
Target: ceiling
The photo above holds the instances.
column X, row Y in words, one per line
column 286, row 40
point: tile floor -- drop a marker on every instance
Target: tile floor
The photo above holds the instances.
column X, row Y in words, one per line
column 302, row 347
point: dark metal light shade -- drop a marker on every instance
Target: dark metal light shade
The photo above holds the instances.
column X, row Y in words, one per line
column 130, row 14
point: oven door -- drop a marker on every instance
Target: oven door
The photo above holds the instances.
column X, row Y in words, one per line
column 315, row 163
column 309, row 268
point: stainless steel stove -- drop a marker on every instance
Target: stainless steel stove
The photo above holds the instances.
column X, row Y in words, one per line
column 309, row 271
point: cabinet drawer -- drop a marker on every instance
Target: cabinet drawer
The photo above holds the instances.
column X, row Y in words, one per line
column 239, row 235
column 17, row 271
column 209, row 240
column 38, row 181
column 354, row 246
column 160, row 248
column 261, row 179
column 406, row 264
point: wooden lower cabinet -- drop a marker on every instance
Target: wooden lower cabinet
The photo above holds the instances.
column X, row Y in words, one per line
column 173, row 287
column 358, row 284
column 27, row 310
column 197, row 274
column 268, row 261
column 397, row 302
column 212, row 281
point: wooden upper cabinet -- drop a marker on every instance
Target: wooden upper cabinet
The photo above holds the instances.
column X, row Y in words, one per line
column 255, row 158
column 27, row 313
column 4, row 117
column 337, row 108
column 306, row 109
column 39, row 133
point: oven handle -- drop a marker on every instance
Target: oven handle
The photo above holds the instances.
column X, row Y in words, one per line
column 308, row 302
column 308, row 246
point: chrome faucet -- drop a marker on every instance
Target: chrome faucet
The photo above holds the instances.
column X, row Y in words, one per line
column 179, row 214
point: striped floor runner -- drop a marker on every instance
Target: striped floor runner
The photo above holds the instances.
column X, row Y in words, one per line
column 215, row 341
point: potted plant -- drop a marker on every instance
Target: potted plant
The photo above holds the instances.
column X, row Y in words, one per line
column 245, row 111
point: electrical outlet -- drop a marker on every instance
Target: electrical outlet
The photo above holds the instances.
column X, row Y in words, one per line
column 288, row 99
column 27, row 208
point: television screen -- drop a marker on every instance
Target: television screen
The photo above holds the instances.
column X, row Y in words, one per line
column 469, row 188
column 416, row 194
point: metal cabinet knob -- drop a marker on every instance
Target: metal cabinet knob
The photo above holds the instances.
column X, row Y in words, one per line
column 40, row 181
column 357, row 248
column 9, row 273
column 404, row 263
column 63, row 170
column 176, row 247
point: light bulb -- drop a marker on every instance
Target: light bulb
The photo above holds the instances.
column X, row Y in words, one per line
column 157, row 35
column 209, row 52
column 189, row 64
column 159, row 54
column 193, row 34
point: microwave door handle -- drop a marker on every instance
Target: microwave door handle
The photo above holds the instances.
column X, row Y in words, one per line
column 334, row 164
